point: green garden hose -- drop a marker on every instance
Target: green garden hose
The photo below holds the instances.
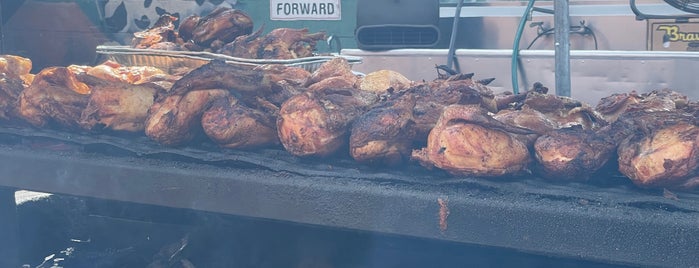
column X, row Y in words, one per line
column 515, row 47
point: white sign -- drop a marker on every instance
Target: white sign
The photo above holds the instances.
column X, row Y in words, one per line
column 304, row 10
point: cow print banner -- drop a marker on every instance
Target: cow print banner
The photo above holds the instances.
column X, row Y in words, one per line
column 129, row 16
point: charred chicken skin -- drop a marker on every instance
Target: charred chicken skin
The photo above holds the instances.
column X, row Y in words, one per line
column 280, row 43
column 385, row 134
column 565, row 111
column 218, row 74
column 233, row 125
column 176, row 119
column 571, row 153
column 286, row 81
column 613, row 106
column 244, row 46
column 316, row 123
column 222, row 24
column 287, row 43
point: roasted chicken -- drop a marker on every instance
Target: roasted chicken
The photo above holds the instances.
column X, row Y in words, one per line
column 10, row 89
column 286, row 81
column 571, row 153
column 118, row 106
column 17, row 67
column 316, row 123
column 163, row 31
column 565, row 144
column 658, row 149
column 335, row 73
column 467, row 141
column 388, row 132
column 195, row 33
column 258, row 94
column 14, row 77
column 231, row 124
column 385, row 134
column 244, row 46
column 56, row 97
column 176, row 119
column 280, row 43
column 222, row 24
column 187, row 26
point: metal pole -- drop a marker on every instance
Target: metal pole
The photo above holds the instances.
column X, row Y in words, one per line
column 562, row 46
column 452, row 39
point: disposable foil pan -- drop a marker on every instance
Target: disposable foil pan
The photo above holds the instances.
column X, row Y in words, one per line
column 166, row 59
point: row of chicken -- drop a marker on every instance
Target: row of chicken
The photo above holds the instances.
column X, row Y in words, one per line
column 454, row 123
column 229, row 32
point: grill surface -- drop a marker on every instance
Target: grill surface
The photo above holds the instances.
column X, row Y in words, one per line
column 610, row 221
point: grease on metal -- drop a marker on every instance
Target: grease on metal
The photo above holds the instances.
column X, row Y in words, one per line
column 443, row 213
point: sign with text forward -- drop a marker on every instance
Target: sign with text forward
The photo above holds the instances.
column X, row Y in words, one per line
column 304, row 10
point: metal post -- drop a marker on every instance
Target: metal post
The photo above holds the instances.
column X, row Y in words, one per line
column 452, row 39
column 9, row 237
column 562, row 46
column 2, row 36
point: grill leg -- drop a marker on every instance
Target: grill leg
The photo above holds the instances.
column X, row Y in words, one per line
column 9, row 237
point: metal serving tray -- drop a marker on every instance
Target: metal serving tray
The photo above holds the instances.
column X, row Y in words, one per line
column 166, row 59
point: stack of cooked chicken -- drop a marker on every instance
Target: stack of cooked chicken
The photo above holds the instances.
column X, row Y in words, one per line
column 454, row 123
column 227, row 31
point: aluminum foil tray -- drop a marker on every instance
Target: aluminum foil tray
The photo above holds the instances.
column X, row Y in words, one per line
column 165, row 59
